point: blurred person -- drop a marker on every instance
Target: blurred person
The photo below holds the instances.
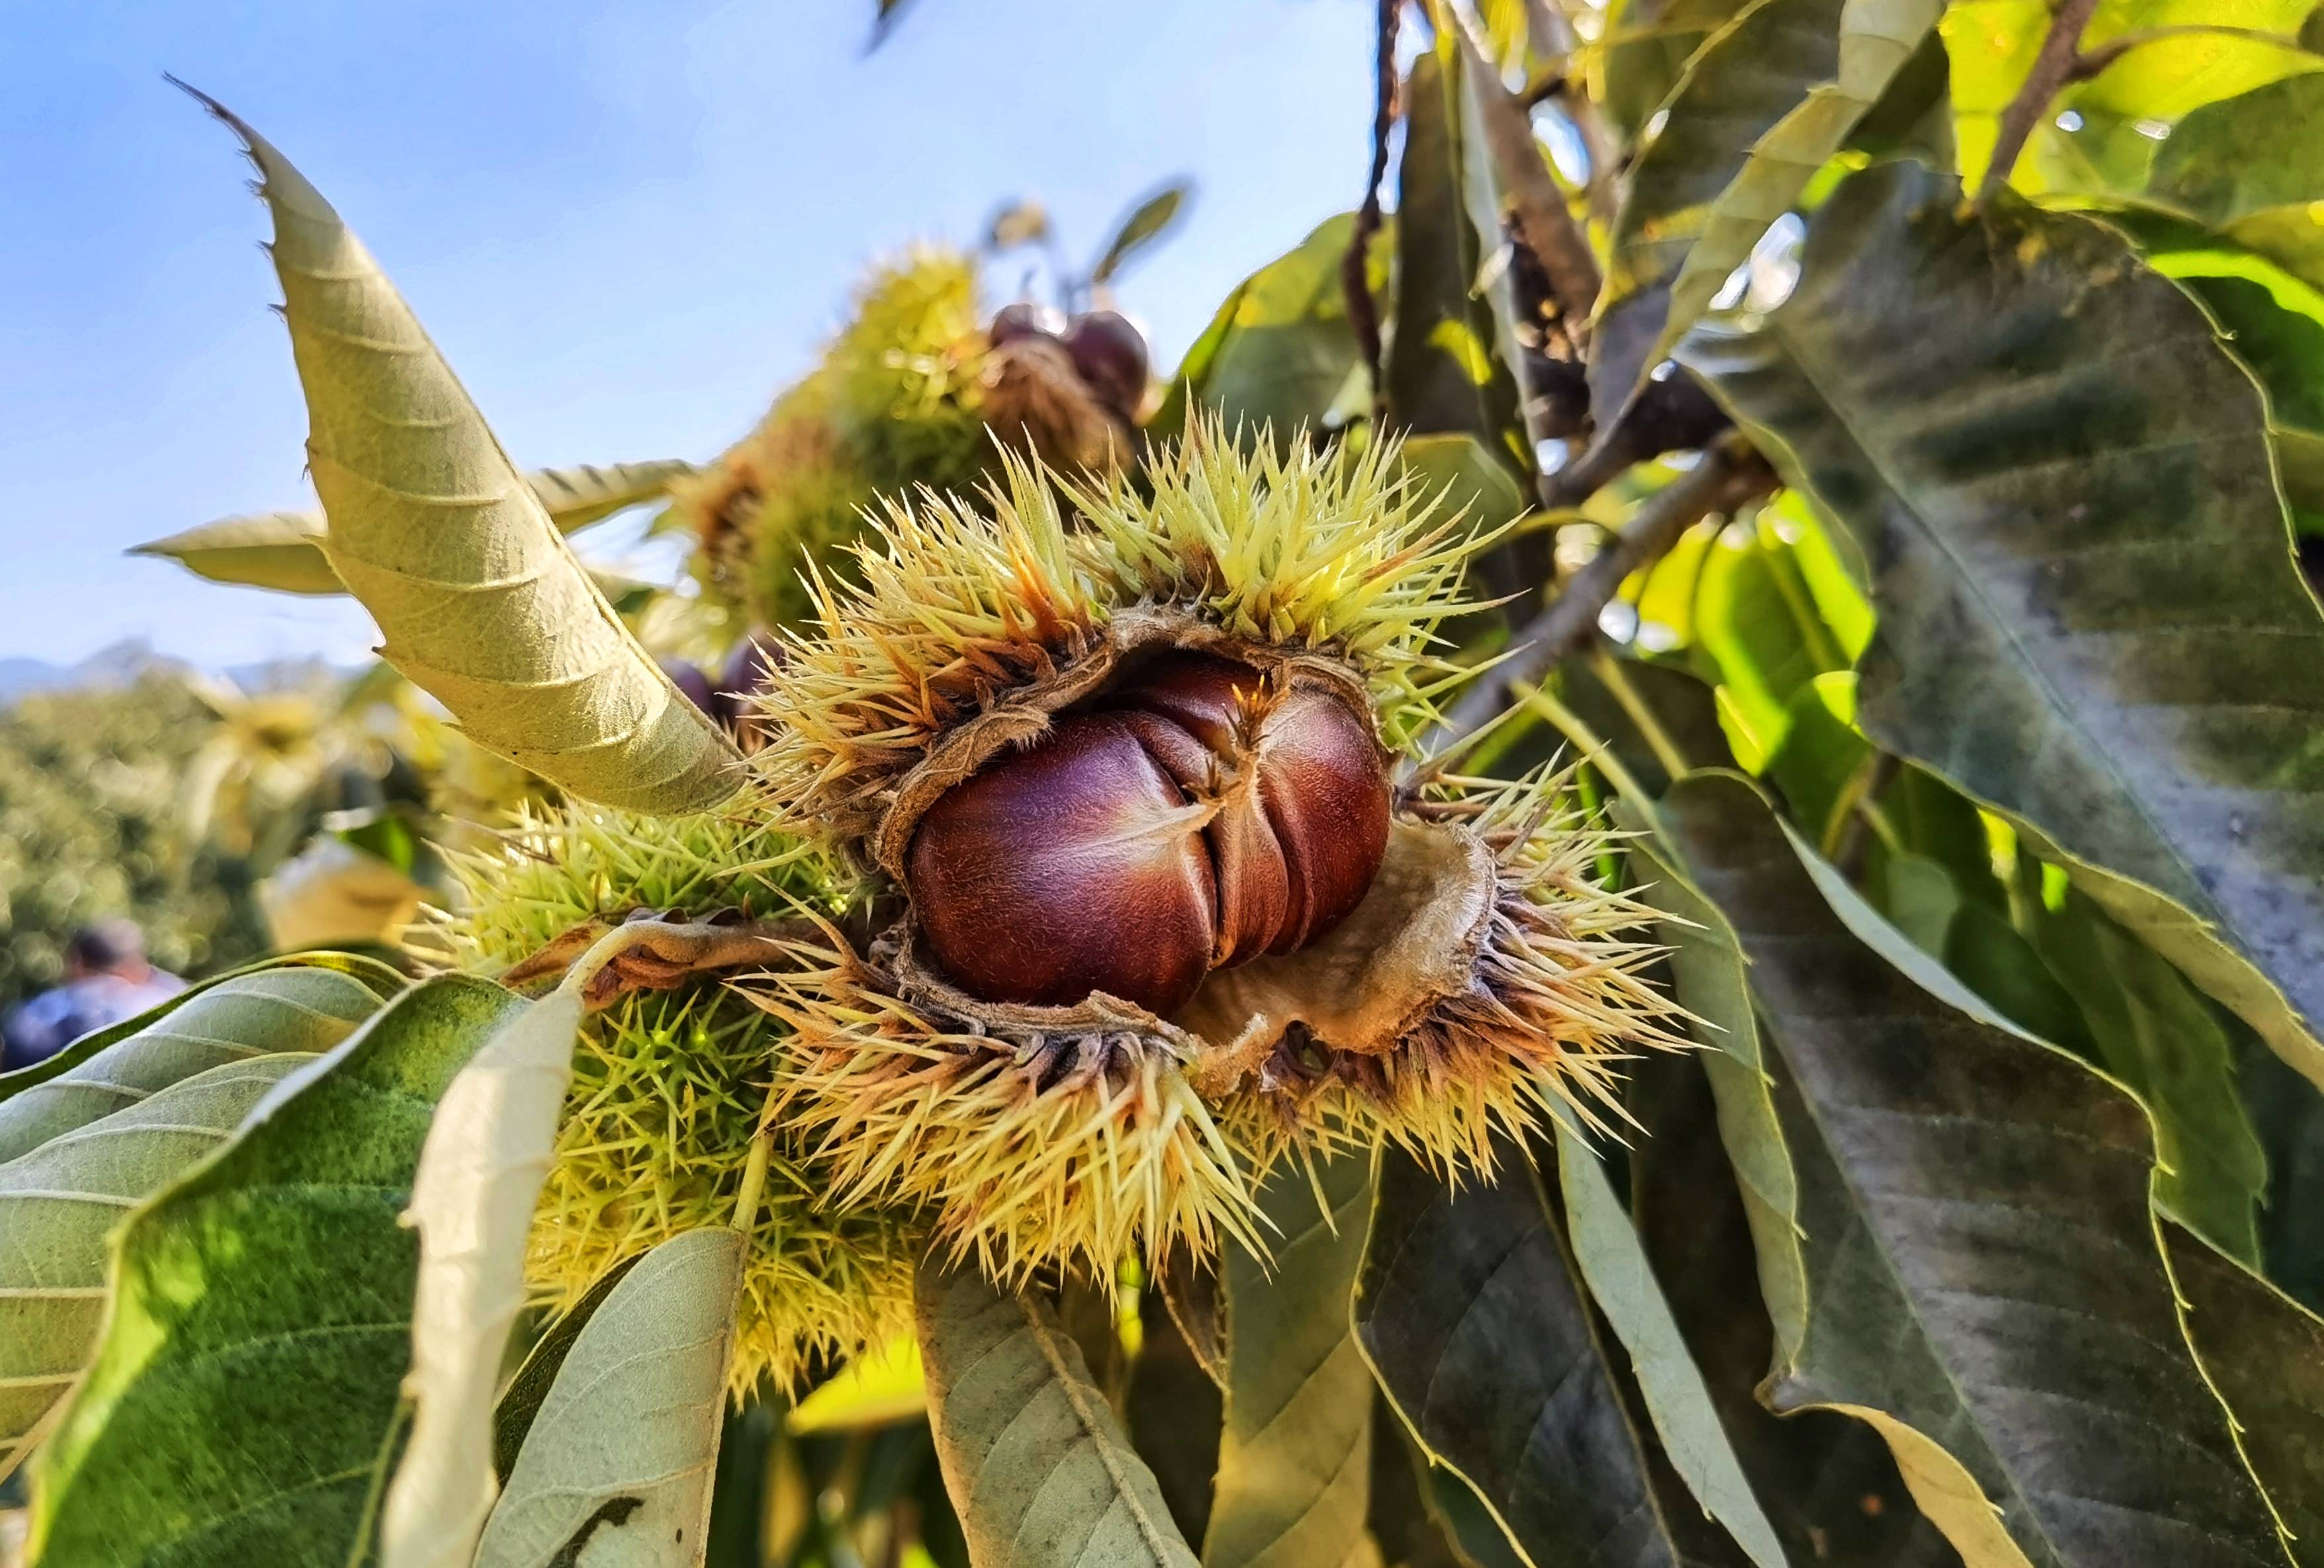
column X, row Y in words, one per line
column 106, row 980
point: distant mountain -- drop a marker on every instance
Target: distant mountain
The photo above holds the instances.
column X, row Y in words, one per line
column 124, row 662
column 118, row 665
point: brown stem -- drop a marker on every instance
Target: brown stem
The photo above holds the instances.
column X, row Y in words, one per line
column 1729, row 474
column 2053, row 67
column 1355, row 265
column 1543, row 221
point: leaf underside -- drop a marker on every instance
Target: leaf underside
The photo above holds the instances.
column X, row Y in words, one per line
column 1039, row 1472
column 263, row 1013
column 1295, row 1452
column 618, row 1465
column 59, row 1204
column 480, row 600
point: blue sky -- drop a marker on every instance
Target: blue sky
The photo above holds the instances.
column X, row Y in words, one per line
column 625, row 224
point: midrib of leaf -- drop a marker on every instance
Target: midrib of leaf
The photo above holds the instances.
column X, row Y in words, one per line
column 1157, row 1538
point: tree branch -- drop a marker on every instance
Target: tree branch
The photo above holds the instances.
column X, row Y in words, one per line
column 1355, row 265
column 2053, row 67
column 1729, row 474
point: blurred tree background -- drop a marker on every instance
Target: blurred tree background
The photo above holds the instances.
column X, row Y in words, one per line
column 92, row 822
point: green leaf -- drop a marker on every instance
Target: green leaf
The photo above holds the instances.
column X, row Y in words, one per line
column 1441, row 372
column 1756, row 68
column 1295, row 1454
column 2149, row 1029
column 480, row 1173
column 263, row 1012
column 520, row 1402
column 1279, row 354
column 1142, row 228
column 2249, row 168
column 2275, row 325
column 2264, row 1353
column 1481, row 1336
column 480, row 600
column 1826, row 1479
column 244, row 1404
column 1766, row 104
column 1708, row 976
column 59, row 1204
column 1648, row 45
column 1993, row 43
column 618, row 1464
column 1473, row 482
column 1037, row 1465
column 1984, row 1283
column 280, row 550
column 1755, row 619
column 284, row 550
column 2089, row 617
column 1607, row 1249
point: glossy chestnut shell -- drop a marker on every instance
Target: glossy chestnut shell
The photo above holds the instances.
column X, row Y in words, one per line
column 1194, row 815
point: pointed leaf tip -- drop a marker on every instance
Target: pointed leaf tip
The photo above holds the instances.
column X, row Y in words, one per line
column 480, row 600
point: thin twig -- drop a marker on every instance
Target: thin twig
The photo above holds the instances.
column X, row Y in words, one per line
column 2053, row 67
column 1729, row 474
column 1537, row 205
column 1355, row 266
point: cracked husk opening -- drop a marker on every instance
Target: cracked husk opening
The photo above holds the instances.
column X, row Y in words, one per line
column 1366, row 984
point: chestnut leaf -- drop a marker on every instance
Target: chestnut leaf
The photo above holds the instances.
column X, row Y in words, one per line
column 1041, row 1471
column 284, row 1007
column 58, row 1206
column 472, row 1200
column 284, row 550
column 1295, row 1452
column 1983, row 1280
column 1765, row 103
column 247, row 1392
column 620, row 1456
column 2088, row 615
column 480, row 600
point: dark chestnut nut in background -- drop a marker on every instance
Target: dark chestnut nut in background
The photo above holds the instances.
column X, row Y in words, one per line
column 687, row 676
column 1022, row 320
column 1110, row 355
column 746, row 672
column 1194, row 815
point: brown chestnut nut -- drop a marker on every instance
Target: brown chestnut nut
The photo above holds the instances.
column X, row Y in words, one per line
column 747, row 670
column 1110, row 355
column 687, row 676
column 1022, row 320
column 1195, row 817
